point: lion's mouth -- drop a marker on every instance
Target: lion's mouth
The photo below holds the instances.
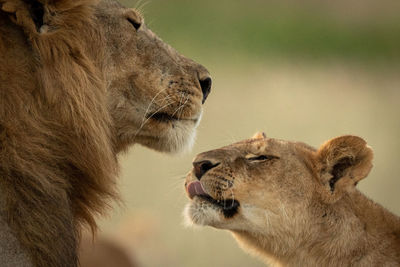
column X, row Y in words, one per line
column 162, row 117
column 229, row 207
column 165, row 117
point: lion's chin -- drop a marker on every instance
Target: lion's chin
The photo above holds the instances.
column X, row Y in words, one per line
column 172, row 137
column 179, row 139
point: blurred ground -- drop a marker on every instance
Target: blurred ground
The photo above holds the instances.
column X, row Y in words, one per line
column 306, row 72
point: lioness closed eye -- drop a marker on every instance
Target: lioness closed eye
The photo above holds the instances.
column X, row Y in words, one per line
column 294, row 205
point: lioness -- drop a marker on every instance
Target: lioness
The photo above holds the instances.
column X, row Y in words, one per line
column 80, row 81
column 294, row 205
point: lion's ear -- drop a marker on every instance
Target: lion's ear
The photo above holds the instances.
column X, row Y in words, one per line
column 29, row 14
column 259, row 135
column 342, row 162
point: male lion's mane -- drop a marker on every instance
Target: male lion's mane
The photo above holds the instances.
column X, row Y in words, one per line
column 57, row 158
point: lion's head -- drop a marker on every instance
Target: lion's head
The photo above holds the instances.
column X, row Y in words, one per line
column 80, row 80
column 275, row 189
column 155, row 94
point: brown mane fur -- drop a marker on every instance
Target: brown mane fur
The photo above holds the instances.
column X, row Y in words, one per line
column 57, row 159
column 80, row 80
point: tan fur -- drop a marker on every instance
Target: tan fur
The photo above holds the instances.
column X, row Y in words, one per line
column 78, row 84
column 300, row 207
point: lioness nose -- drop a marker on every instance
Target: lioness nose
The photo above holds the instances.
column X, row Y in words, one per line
column 205, row 84
column 201, row 167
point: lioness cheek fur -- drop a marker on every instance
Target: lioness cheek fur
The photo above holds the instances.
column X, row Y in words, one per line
column 295, row 205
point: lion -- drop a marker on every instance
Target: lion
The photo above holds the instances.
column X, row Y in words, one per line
column 80, row 82
column 294, row 205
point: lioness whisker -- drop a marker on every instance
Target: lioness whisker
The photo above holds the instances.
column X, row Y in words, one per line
column 177, row 180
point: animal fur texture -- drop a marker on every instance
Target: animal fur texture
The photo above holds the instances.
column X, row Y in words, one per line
column 294, row 205
column 78, row 84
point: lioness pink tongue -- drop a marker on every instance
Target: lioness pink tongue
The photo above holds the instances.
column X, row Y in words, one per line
column 195, row 188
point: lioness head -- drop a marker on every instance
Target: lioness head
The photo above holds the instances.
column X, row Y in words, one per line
column 274, row 188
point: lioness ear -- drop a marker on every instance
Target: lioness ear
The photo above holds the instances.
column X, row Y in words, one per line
column 259, row 135
column 342, row 162
column 29, row 14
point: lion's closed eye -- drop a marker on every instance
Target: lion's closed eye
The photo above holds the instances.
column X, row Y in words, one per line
column 136, row 24
column 252, row 157
column 134, row 18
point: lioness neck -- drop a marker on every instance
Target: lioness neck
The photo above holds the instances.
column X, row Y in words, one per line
column 354, row 231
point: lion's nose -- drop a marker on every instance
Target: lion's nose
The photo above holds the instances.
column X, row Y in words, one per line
column 205, row 84
column 201, row 167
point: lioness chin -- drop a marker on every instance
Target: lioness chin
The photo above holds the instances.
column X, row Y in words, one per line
column 294, row 205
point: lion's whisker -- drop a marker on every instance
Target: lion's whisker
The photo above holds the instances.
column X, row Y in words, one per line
column 143, row 123
column 151, row 102
column 176, row 111
column 140, row 5
column 167, row 97
column 180, row 103
column 182, row 107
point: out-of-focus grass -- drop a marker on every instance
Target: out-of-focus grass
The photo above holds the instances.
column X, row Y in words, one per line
column 264, row 28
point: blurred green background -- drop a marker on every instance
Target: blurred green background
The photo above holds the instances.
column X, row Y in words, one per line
column 298, row 70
